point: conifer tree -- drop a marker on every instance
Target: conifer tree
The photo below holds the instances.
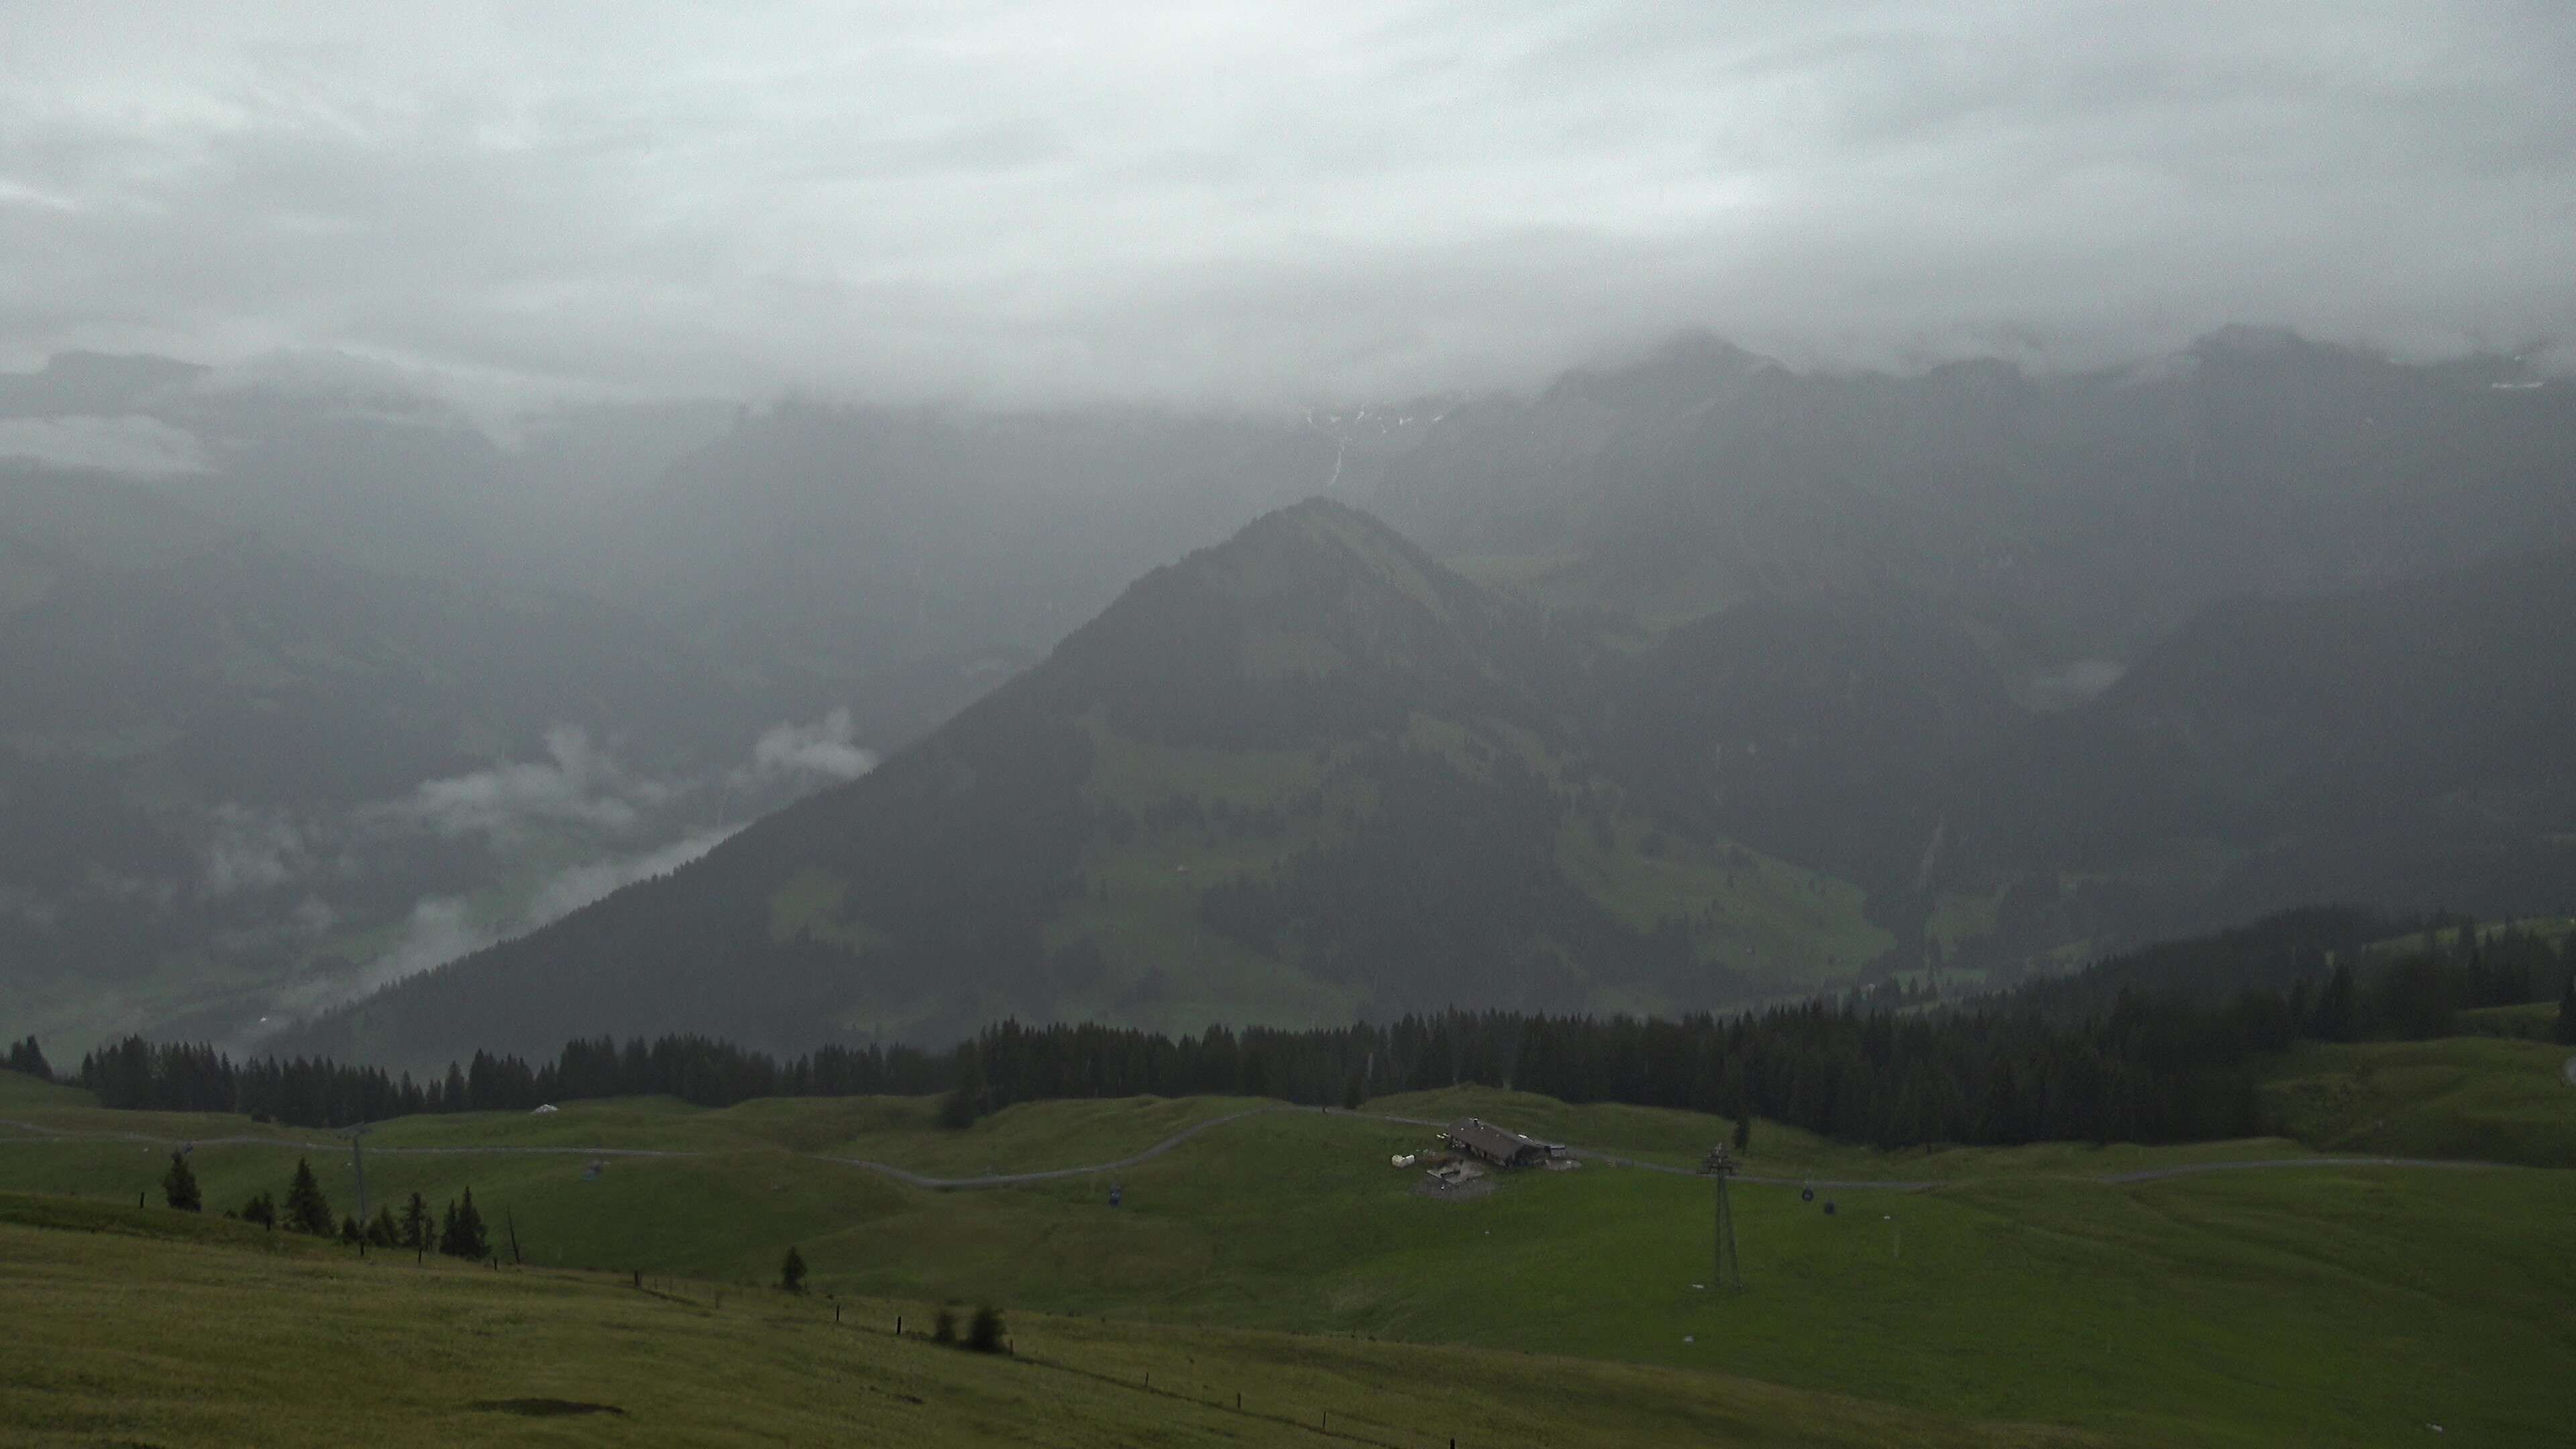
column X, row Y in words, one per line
column 259, row 1209
column 1744, row 1133
column 2335, row 1017
column 384, row 1232
column 984, row 1335
column 179, row 1186
column 349, row 1231
column 416, row 1224
column 26, row 1056
column 307, row 1211
column 965, row 1101
column 462, row 1235
column 791, row 1273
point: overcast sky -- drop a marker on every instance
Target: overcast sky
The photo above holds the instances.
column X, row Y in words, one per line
column 1290, row 203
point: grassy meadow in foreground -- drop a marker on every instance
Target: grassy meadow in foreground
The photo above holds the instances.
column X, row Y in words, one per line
column 2318, row 1305
column 145, row 1329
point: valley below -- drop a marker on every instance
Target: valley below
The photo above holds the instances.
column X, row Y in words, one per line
column 2319, row 1298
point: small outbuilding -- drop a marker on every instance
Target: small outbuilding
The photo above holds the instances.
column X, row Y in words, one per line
column 545, row 1110
column 1500, row 1146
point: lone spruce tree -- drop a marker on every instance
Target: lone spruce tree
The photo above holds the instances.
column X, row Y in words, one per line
column 462, row 1234
column 179, row 1186
column 965, row 1100
column 416, row 1227
column 791, row 1273
column 307, row 1211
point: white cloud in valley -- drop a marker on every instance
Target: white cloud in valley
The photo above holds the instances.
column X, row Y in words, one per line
column 826, row 749
column 131, row 446
column 577, row 783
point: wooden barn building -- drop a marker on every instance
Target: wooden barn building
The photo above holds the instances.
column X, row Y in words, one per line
column 1500, row 1146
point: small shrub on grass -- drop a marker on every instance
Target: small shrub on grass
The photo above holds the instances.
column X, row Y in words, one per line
column 791, row 1273
column 984, row 1335
column 179, row 1186
column 943, row 1329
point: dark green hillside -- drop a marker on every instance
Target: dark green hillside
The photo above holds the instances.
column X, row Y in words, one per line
column 1304, row 775
column 1826, row 731
column 1310, row 775
column 2412, row 746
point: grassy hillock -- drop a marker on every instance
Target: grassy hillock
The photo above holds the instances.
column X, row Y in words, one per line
column 2531, row 1021
column 2497, row 1099
column 18, row 1090
column 216, row 1333
column 2331, row 1304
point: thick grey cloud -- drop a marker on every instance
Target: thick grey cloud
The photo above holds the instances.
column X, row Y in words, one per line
column 1289, row 203
column 138, row 447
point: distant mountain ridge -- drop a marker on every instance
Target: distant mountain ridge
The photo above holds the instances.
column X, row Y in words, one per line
column 1311, row 774
column 2062, row 516
column 1794, row 603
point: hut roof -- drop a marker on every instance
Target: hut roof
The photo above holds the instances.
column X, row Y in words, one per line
column 1475, row 1134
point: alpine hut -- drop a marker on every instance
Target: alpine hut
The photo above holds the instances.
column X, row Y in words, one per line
column 1500, row 1146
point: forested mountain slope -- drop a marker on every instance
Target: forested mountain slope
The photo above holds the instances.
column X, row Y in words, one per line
column 1304, row 775
column 1309, row 775
column 2411, row 746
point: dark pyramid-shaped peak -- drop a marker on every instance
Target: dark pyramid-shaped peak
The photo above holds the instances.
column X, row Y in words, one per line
column 1292, row 551
column 1315, row 618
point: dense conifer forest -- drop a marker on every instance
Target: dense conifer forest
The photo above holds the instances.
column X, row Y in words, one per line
column 2158, row 1046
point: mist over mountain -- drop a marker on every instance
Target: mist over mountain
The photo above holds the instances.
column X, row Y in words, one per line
column 1311, row 774
column 2069, row 516
column 253, row 611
